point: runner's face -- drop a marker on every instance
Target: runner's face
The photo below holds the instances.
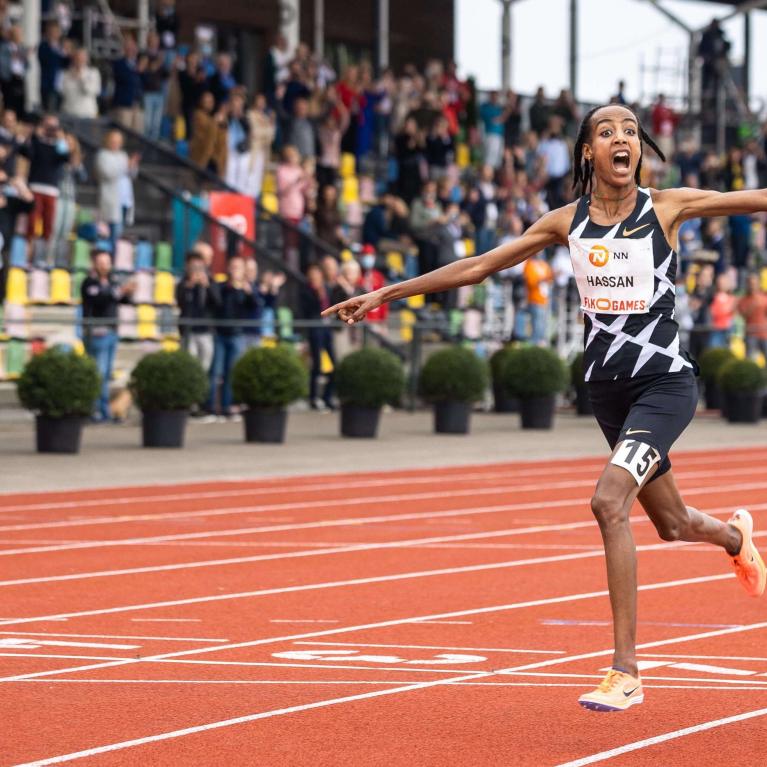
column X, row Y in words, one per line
column 614, row 146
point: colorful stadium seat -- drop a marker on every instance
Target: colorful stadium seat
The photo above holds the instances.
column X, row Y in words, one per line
column 81, row 259
column 147, row 322
column 124, row 256
column 77, row 281
column 19, row 251
column 16, row 287
column 416, row 302
column 462, row 156
column 395, row 263
column 127, row 322
column 15, row 321
column 164, row 288
column 39, row 253
column 348, row 165
column 39, row 286
column 143, row 255
column 144, row 291
column 163, row 257
column 285, row 321
column 351, row 190
column 15, row 358
column 407, row 320
column 270, row 203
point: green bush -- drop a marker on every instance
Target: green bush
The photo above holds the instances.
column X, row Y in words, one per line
column 370, row 378
column 741, row 376
column 454, row 374
column 269, row 378
column 168, row 381
column 534, row 372
column 577, row 371
column 57, row 383
column 711, row 362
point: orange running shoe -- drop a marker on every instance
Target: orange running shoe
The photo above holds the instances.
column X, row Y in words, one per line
column 748, row 565
column 616, row 692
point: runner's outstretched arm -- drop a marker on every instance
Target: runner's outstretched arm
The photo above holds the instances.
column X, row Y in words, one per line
column 684, row 204
column 548, row 230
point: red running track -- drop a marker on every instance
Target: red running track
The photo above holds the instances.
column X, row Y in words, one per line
column 425, row 617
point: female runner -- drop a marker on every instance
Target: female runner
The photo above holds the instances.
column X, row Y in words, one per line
column 642, row 385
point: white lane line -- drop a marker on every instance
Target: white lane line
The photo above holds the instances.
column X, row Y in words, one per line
column 112, row 636
column 447, row 623
column 162, row 620
column 383, row 499
column 288, row 620
column 242, row 720
column 643, row 646
column 561, row 675
column 639, row 744
column 425, row 475
column 387, row 623
column 16, row 640
column 436, row 647
column 50, row 655
column 699, row 657
column 706, row 669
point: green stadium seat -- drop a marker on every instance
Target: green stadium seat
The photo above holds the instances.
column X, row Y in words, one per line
column 163, row 257
column 77, row 281
column 81, row 259
column 15, row 358
column 285, row 321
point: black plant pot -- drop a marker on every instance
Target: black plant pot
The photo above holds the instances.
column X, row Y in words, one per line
column 359, row 421
column 764, row 404
column 538, row 412
column 265, row 425
column 583, row 404
column 163, row 428
column 714, row 398
column 58, row 435
column 743, row 407
column 452, row 417
column 503, row 402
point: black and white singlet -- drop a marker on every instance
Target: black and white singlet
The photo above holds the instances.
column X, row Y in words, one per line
column 626, row 275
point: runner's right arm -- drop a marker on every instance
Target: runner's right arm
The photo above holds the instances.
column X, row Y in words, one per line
column 550, row 229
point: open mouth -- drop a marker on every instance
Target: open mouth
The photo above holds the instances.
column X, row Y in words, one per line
column 621, row 160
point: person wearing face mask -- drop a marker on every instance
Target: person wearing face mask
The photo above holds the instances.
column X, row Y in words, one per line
column 372, row 279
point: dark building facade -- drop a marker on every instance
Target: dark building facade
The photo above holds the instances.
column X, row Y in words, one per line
column 418, row 29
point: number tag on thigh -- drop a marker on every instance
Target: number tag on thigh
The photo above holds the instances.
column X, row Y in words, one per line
column 637, row 458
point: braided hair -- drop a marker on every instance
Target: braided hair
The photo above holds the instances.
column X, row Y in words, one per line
column 583, row 170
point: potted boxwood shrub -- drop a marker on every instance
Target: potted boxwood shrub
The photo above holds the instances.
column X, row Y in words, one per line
column 711, row 362
column 165, row 385
column 536, row 376
column 366, row 380
column 267, row 380
column 742, row 386
column 502, row 402
column 453, row 379
column 577, row 378
column 60, row 387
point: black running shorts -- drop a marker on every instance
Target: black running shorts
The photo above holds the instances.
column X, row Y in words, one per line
column 651, row 409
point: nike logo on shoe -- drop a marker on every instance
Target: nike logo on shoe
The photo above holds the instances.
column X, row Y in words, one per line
column 629, row 432
column 630, row 692
column 629, row 232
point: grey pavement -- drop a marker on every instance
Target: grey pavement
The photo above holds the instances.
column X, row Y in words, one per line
column 112, row 455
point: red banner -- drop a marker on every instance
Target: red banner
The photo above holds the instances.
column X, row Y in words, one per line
column 236, row 211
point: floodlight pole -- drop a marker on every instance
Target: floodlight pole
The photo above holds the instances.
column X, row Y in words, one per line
column 506, row 45
column 30, row 27
column 319, row 28
column 574, row 48
column 383, row 34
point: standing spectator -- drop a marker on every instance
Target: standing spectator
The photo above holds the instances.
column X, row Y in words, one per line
column 753, row 308
column 315, row 298
column 491, row 114
column 301, row 133
column 66, row 208
column 620, row 96
column 664, row 123
column 53, row 60
column 409, row 148
column 222, row 81
column 208, row 147
column 538, row 278
column 192, row 84
column 80, row 88
column 555, row 154
column 265, row 294
column 154, row 76
column 513, row 119
column 261, row 125
column 234, row 301
column 566, row 108
column 292, row 187
column 14, row 64
column 195, row 300
column 330, row 134
column 349, row 283
column 723, row 307
column 101, row 295
column 114, row 171
column 166, row 23
column 713, row 49
column 440, row 149
column 372, row 279
column 238, row 143
column 328, row 220
column 126, row 100
column 425, row 216
column 350, row 93
column 47, row 151
column 700, row 306
column 539, row 112
column 276, row 68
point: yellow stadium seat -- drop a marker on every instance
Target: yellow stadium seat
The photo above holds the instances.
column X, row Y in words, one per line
column 462, row 156
column 170, row 344
column 470, row 247
column 738, row 347
column 16, row 287
column 351, row 190
column 348, row 165
column 220, row 277
column 407, row 320
column 164, row 288
column 395, row 262
column 268, row 342
column 270, row 184
column 763, row 278
column 270, row 202
column 416, row 302
column 61, row 287
column 78, row 347
column 147, row 322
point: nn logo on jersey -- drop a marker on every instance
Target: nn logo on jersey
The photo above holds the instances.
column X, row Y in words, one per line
column 599, row 255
